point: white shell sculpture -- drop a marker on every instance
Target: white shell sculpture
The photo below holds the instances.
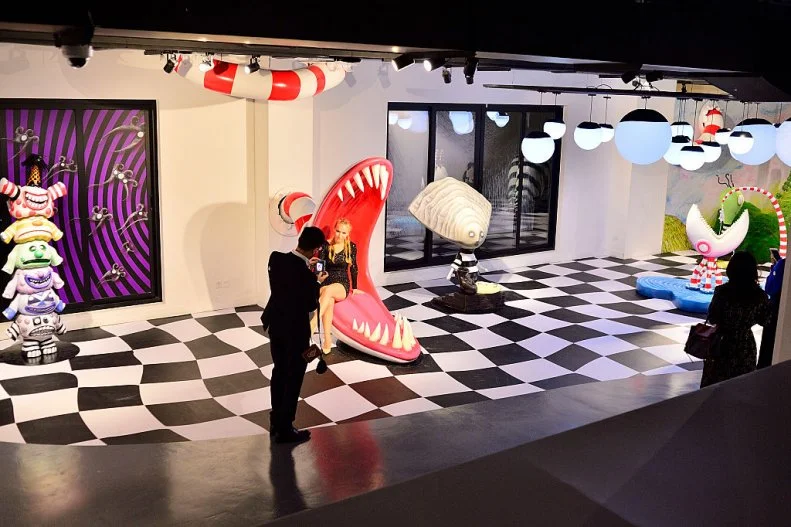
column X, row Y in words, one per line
column 454, row 211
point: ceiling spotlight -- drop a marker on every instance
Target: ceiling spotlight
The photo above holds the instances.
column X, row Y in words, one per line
column 446, row 75
column 253, row 66
column 432, row 64
column 628, row 77
column 169, row 65
column 653, row 76
column 470, row 65
column 401, row 62
column 207, row 64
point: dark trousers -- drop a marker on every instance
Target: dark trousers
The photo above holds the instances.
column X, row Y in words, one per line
column 768, row 339
column 287, row 376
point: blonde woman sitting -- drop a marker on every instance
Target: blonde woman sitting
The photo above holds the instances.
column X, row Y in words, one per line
column 340, row 254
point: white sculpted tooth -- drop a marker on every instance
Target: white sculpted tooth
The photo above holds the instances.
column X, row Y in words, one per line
column 349, row 188
column 359, row 181
column 408, row 339
column 368, row 178
column 383, row 177
column 361, row 328
column 367, row 331
column 385, row 340
column 397, row 336
column 375, row 335
column 376, row 176
column 340, row 194
column 355, row 327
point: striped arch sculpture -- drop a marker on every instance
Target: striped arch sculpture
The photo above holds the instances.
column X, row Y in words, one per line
column 268, row 85
column 35, row 308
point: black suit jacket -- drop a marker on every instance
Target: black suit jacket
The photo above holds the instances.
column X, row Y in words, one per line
column 294, row 294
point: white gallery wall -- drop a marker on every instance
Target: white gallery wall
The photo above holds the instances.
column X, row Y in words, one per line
column 206, row 189
column 221, row 159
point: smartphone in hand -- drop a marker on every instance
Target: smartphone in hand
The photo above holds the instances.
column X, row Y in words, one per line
column 775, row 253
column 320, row 265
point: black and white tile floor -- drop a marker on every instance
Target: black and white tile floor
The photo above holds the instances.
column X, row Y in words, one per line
column 207, row 375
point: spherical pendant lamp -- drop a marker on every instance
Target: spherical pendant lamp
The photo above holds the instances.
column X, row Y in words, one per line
column 692, row 157
column 502, row 120
column 555, row 128
column 673, row 154
column 763, row 148
column 587, row 135
column 538, row 147
column 681, row 128
column 712, row 150
column 643, row 136
column 740, row 142
column 392, row 118
column 463, row 122
column 607, row 132
column 783, row 142
column 722, row 136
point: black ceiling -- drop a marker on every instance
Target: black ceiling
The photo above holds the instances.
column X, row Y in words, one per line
column 744, row 36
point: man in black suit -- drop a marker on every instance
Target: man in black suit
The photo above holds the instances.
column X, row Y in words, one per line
column 294, row 295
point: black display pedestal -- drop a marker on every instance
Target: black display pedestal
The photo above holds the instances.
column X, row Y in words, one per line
column 13, row 355
column 462, row 303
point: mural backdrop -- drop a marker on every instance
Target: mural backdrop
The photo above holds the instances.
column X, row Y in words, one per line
column 707, row 185
column 104, row 152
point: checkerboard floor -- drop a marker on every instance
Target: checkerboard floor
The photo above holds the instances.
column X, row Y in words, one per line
column 206, row 375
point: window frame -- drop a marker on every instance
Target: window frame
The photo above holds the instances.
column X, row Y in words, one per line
column 479, row 111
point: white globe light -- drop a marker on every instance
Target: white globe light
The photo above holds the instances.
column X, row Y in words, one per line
column 740, row 142
column 692, row 157
column 463, row 122
column 783, row 142
column 607, row 132
column 587, row 135
column 764, row 137
column 722, row 136
column 681, row 128
column 538, row 147
column 711, row 150
column 492, row 115
column 555, row 128
column 643, row 136
column 673, row 154
column 405, row 122
column 502, row 120
column 392, row 118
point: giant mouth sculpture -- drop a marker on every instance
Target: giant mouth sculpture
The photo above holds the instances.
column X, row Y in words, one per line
column 361, row 320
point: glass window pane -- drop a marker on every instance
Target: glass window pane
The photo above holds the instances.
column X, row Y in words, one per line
column 454, row 157
column 500, row 183
column 407, row 149
column 536, row 192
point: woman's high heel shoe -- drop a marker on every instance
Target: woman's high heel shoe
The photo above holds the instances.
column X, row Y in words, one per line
column 326, row 346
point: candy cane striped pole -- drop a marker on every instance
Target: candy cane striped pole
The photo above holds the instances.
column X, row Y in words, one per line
column 273, row 85
column 780, row 218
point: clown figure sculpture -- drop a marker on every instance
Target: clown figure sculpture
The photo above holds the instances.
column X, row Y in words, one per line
column 34, row 310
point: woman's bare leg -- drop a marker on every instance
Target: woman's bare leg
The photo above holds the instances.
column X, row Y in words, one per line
column 329, row 295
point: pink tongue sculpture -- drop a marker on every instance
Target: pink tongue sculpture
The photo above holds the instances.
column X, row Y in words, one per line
column 362, row 321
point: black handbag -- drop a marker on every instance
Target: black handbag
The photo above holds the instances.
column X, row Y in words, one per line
column 702, row 340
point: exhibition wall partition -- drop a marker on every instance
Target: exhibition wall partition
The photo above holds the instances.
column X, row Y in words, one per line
column 105, row 152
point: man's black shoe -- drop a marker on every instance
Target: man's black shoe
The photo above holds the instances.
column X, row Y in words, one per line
column 292, row 436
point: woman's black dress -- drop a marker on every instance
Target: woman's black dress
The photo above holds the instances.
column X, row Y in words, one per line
column 338, row 270
column 735, row 310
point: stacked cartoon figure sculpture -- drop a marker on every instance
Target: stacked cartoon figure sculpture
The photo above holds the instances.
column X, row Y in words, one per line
column 35, row 307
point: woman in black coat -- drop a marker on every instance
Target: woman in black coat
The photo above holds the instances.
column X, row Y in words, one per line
column 736, row 307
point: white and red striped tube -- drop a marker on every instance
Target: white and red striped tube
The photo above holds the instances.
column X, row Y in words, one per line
column 778, row 211
column 267, row 85
column 297, row 209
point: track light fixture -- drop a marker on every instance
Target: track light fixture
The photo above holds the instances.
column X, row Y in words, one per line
column 628, row 76
column 169, row 64
column 653, row 76
column 402, row 61
column 253, row 66
column 470, row 65
column 434, row 63
column 446, row 75
column 207, row 64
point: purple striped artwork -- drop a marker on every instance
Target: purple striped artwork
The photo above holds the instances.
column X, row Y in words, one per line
column 102, row 156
